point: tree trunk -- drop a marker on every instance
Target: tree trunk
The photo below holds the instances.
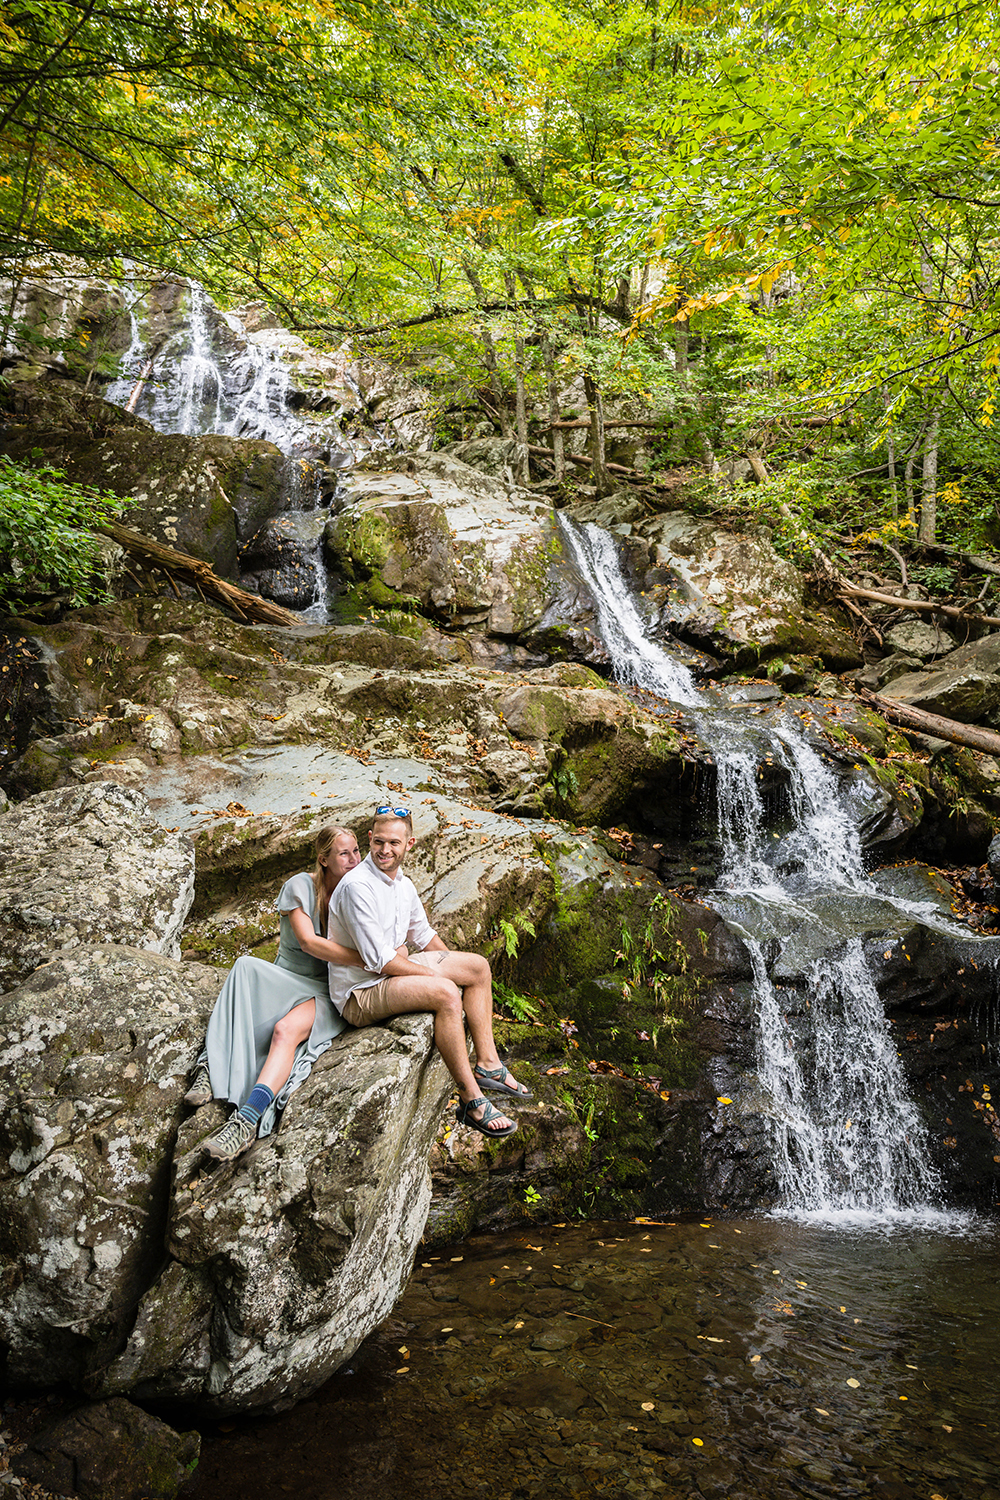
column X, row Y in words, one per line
column 933, row 724
column 596, row 438
column 521, row 471
column 919, row 606
column 928, row 499
column 890, row 443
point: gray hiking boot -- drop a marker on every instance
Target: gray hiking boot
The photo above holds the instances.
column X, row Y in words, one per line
column 200, row 1091
column 231, row 1139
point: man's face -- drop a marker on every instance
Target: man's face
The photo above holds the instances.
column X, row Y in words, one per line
column 343, row 856
column 390, row 841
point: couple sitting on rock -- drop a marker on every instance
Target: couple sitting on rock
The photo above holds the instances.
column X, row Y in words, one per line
column 272, row 1021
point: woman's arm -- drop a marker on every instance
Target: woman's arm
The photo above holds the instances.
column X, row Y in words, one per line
column 333, row 953
column 319, row 947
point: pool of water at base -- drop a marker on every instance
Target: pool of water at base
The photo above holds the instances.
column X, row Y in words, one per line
column 754, row 1359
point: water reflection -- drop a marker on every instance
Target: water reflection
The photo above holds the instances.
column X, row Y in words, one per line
column 752, row 1359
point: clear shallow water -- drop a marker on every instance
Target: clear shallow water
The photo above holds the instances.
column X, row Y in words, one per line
column 750, row 1359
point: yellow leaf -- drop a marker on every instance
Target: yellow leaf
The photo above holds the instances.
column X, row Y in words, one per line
column 698, row 1442
column 723, row 1100
column 648, row 1405
column 854, row 1384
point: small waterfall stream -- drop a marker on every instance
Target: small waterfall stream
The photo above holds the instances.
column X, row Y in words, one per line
column 847, row 1140
column 242, row 391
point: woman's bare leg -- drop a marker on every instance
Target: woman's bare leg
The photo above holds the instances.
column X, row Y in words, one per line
column 288, row 1033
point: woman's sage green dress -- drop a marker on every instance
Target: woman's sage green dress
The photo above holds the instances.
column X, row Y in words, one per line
column 253, row 1000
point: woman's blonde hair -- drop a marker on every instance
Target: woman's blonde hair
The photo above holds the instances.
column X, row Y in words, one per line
column 321, row 875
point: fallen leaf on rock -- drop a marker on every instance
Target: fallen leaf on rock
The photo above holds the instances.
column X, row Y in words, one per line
column 648, row 1405
column 822, row 1412
column 854, row 1384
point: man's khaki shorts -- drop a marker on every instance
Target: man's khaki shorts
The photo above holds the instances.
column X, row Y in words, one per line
column 366, row 1006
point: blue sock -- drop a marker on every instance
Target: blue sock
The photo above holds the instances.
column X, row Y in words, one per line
column 259, row 1099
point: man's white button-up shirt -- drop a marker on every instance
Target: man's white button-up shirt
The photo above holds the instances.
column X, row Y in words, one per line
column 374, row 914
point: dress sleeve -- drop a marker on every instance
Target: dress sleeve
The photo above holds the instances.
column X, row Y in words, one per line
column 298, row 892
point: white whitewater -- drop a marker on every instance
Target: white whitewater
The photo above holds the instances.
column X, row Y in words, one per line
column 848, row 1143
column 636, row 660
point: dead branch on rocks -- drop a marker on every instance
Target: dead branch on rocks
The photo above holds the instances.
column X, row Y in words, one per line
column 192, row 570
column 920, row 606
column 939, row 728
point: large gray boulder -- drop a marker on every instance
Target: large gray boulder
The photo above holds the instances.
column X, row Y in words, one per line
column 732, row 591
column 963, row 692
column 88, row 864
column 203, row 495
column 454, row 542
column 917, row 638
column 94, row 1051
column 281, row 1263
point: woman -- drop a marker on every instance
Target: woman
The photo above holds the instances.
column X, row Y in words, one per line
column 272, row 1021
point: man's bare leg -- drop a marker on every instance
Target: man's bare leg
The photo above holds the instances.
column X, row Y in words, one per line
column 441, row 996
column 472, row 973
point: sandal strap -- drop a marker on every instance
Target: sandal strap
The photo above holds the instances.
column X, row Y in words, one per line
column 490, row 1111
column 499, row 1074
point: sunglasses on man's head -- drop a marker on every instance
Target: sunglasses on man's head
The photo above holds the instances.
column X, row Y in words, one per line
column 399, row 812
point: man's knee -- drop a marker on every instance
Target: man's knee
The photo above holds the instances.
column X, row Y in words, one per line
column 446, row 995
column 481, row 969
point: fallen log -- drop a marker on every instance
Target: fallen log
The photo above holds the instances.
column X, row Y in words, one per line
column 583, row 462
column 198, row 573
column 932, row 724
column 921, row 606
column 585, row 422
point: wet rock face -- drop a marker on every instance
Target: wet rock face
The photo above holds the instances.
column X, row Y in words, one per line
column 94, row 1051
column 110, row 1450
column 88, row 864
column 199, row 495
column 280, row 561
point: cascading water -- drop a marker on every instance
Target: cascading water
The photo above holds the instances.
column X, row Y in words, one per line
column 240, row 392
column 846, row 1138
column 635, row 659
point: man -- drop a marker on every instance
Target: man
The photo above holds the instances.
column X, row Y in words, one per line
column 376, row 910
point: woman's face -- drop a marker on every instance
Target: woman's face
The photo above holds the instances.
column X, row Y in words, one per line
column 343, row 856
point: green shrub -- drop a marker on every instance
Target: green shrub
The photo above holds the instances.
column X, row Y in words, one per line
column 45, row 536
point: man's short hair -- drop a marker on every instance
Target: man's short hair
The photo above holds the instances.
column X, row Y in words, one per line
column 393, row 817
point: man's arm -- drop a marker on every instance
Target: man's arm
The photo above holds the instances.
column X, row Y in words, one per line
column 356, row 922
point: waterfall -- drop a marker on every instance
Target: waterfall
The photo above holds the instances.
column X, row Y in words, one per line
column 635, row 659
column 241, row 392
column 846, row 1138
